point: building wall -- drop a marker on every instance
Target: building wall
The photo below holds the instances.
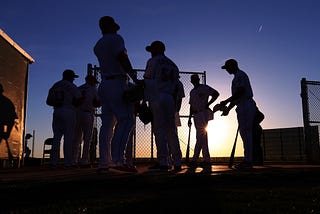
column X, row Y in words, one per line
column 13, row 77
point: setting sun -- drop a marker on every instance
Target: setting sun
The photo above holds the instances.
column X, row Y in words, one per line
column 221, row 134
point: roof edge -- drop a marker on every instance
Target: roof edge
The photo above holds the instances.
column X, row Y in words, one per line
column 16, row 46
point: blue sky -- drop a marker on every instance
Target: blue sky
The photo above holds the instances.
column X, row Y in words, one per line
column 275, row 42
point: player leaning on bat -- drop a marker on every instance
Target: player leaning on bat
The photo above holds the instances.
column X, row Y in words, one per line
column 242, row 97
column 199, row 109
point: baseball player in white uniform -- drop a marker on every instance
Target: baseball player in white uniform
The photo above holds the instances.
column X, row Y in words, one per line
column 242, row 97
column 161, row 82
column 64, row 118
column 85, row 120
column 199, row 109
column 114, row 66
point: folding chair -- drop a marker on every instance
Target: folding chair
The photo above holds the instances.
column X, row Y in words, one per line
column 46, row 151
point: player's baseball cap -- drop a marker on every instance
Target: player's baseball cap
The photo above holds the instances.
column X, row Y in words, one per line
column 156, row 45
column 230, row 63
column 107, row 22
column 69, row 74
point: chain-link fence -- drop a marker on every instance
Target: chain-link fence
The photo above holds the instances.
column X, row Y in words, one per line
column 143, row 142
column 310, row 95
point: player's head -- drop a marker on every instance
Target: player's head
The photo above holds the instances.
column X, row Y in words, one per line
column 28, row 136
column 108, row 25
column 69, row 75
column 230, row 65
column 156, row 47
column 195, row 79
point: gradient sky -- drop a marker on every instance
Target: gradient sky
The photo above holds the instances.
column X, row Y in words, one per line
column 275, row 42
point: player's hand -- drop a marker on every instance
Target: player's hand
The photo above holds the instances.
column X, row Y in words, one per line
column 223, row 103
column 225, row 112
column 217, row 107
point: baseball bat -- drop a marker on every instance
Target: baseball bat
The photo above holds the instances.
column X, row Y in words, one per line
column 233, row 150
column 188, row 146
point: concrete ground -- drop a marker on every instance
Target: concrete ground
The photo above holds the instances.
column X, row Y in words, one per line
column 272, row 188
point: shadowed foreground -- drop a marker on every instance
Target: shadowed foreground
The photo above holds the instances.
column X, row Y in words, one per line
column 267, row 189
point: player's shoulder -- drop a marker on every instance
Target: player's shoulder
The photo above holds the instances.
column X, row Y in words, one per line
column 193, row 90
column 109, row 38
column 169, row 60
column 241, row 73
column 59, row 84
column 69, row 85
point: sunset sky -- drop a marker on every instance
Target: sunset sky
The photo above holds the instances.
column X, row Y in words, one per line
column 275, row 42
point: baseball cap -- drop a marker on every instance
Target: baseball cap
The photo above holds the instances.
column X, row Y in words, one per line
column 107, row 22
column 230, row 63
column 69, row 74
column 156, row 45
column 28, row 136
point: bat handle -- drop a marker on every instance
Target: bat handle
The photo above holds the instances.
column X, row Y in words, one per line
column 188, row 146
column 231, row 160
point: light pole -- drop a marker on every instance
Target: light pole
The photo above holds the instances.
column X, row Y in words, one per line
column 33, row 143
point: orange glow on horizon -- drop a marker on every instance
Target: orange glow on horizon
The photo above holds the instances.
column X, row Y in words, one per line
column 221, row 136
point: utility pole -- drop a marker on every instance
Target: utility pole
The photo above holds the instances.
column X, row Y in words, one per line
column 34, row 136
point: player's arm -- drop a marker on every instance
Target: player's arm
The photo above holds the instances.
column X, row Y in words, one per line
column 126, row 64
column 225, row 110
column 238, row 93
column 214, row 95
column 190, row 116
column 179, row 103
column 178, row 95
column 231, row 100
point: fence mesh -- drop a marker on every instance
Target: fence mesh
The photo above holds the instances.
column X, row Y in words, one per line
column 314, row 101
column 310, row 95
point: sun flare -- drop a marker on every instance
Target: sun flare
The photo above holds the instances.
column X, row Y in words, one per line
column 216, row 129
column 217, row 136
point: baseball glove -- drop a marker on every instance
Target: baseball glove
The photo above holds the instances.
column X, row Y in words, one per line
column 144, row 113
column 219, row 107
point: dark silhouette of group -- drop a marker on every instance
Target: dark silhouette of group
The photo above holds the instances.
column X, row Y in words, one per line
column 119, row 94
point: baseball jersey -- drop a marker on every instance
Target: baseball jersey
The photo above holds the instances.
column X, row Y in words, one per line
column 90, row 94
column 199, row 97
column 241, row 79
column 107, row 50
column 161, row 75
column 68, row 92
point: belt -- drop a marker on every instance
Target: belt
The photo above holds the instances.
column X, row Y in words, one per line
column 115, row 77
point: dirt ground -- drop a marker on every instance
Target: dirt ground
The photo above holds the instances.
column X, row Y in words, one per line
column 272, row 188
